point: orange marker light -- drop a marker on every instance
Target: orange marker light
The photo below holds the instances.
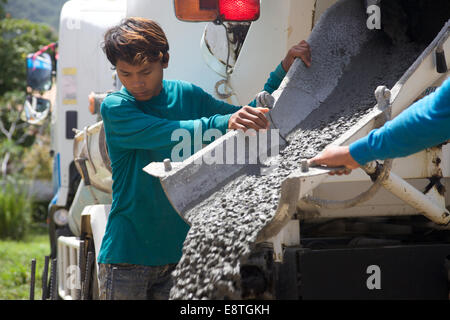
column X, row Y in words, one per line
column 92, row 103
column 196, row 10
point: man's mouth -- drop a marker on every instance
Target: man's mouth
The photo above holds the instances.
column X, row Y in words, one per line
column 144, row 93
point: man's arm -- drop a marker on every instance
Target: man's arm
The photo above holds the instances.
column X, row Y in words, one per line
column 424, row 124
column 243, row 118
column 237, row 117
column 301, row 51
column 127, row 127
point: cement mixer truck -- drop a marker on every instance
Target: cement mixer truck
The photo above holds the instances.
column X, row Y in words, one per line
column 310, row 235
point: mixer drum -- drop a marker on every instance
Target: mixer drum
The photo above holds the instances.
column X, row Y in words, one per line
column 91, row 157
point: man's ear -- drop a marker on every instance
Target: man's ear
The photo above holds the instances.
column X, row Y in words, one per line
column 165, row 60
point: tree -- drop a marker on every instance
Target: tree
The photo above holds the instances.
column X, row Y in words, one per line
column 46, row 11
column 18, row 38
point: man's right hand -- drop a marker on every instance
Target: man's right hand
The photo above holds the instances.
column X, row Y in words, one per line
column 249, row 118
column 336, row 156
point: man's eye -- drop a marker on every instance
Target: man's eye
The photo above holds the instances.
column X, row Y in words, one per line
column 147, row 73
column 125, row 74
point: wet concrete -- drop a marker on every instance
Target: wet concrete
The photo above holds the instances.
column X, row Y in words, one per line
column 224, row 226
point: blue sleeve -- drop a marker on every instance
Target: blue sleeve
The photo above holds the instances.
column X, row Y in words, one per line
column 425, row 124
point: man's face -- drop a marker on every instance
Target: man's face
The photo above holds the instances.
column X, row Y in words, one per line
column 142, row 81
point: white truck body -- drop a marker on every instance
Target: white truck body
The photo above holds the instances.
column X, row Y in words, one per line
column 82, row 68
column 197, row 55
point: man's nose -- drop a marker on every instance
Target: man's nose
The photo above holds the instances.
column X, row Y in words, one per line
column 138, row 82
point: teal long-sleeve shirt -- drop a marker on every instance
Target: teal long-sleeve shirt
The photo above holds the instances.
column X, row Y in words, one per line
column 425, row 124
column 143, row 228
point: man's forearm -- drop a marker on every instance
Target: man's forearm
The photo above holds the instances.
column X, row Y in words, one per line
column 424, row 124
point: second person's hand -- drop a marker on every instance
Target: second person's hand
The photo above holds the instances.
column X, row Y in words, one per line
column 336, row 156
column 301, row 50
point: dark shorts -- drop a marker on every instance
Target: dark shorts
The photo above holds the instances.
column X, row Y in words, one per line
column 134, row 282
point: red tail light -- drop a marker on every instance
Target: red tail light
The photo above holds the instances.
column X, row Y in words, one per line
column 239, row 10
column 224, row 10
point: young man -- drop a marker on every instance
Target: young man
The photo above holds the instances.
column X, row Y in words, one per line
column 425, row 124
column 144, row 234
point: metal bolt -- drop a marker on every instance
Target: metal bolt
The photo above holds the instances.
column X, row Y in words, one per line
column 370, row 167
column 383, row 96
column 167, row 165
column 305, row 165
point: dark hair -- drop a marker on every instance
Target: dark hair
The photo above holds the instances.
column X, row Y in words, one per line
column 136, row 41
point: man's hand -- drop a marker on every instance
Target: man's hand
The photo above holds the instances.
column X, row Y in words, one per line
column 249, row 118
column 302, row 51
column 336, row 156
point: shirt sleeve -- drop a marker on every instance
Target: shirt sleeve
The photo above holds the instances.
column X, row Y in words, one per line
column 273, row 82
column 211, row 106
column 128, row 127
column 425, row 124
column 214, row 109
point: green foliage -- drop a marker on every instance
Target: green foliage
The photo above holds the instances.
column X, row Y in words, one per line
column 15, row 266
column 37, row 161
column 18, row 38
column 15, row 135
column 11, row 105
column 15, row 211
column 2, row 9
column 10, row 146
column 43, row 11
